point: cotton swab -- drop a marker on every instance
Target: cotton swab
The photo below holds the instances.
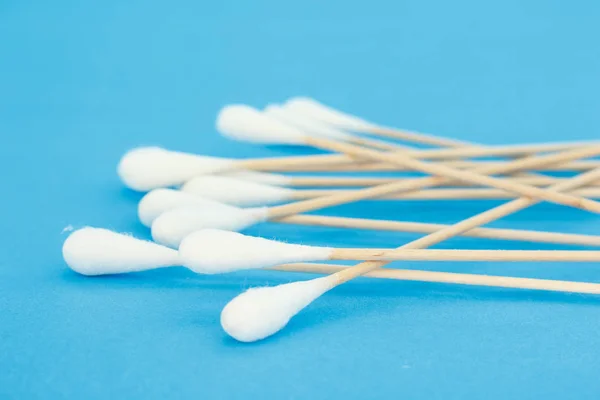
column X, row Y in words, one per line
column 190, row 207
column 249, row 124
column 421, row 227
column 147, row 168
column 262, row 312
column 279, row 132
column 171, row 227
column 313, row 110
column 252, row 194
column 95, row 251
column 212, row 251
column 576, row 166
column 310, row 108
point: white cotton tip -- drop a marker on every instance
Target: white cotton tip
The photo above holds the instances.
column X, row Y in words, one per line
column 148, row 168
column 172, row 226
column 237, row 192
column 158, row 201
column 307, row 124
column 212, row 251
column 262, row 312
column 247, row 124
column 260, row 177
column 95, row 251
column 313, row 109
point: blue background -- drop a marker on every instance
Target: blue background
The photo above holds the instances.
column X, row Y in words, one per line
column 82, row 82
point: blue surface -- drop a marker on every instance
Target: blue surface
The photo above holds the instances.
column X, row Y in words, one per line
column 82, row 82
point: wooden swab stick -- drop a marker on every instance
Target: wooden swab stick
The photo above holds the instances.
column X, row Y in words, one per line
column 243, row 193
column 357, row 181
column 213, row 251
column 421, row 227
column 148, row 168
column 272, row 307
column 466, row 255
column 452, row 278
column 294, row 166
column 435, row 154
column 442, row 194
column 489, row 151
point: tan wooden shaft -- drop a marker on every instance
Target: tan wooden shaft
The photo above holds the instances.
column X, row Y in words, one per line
column 462, row 149
column 489, row 151
column 357, row 181
column 432, row 154
column 466, row 255
column 576, row 166
column 452, row 278
column 444, row 194
column 421, row 227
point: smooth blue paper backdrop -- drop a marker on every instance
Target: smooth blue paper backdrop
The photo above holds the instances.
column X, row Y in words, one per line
column 82, row 82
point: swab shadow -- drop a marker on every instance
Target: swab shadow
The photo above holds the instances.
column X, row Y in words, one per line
column 168, row 278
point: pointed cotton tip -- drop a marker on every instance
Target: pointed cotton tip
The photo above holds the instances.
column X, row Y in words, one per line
column 313, row 109
column 172, row 226
column 96, row 251
column 306, row 123
column 247, row 124
column 237, row 192
column 147, row 168
column 262, row 312
column 212, row 251
column 158, row 201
